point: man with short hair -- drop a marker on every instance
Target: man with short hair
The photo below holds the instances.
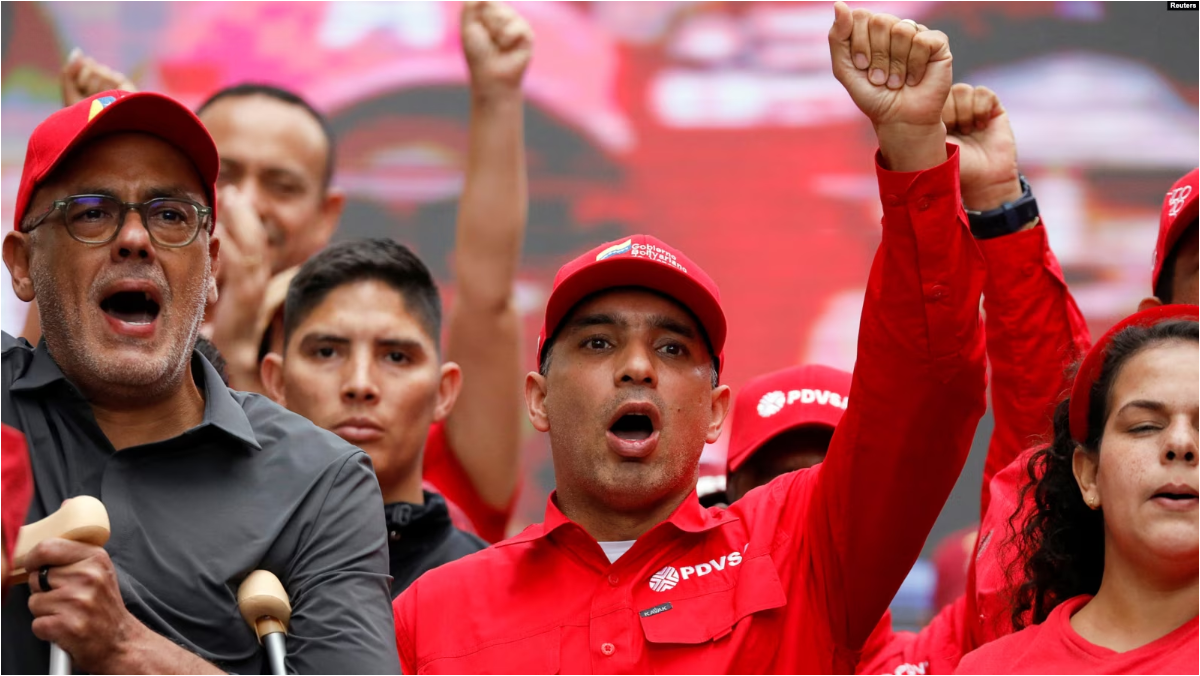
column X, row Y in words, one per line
column 361, row 359
column 202, row 485
column 628, row 573
column 470, row 452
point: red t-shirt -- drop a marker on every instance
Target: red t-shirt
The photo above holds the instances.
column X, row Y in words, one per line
column 443, row 471
column 1053, row 647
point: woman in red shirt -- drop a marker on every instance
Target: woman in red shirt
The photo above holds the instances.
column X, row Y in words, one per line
column 1111, row 547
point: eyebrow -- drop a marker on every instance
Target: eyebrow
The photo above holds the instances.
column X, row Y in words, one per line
column 661, row 322
column 1156, row 406
column 393, row 343
column 153, row 192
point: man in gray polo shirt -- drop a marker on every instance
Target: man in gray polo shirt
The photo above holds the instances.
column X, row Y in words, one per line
column 202, row 484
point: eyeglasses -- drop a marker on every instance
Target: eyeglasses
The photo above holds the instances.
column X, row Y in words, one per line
column 96, row 219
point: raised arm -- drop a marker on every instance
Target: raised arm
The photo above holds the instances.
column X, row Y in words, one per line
column 1034, row 328
column 484, row 429
column 918, row 388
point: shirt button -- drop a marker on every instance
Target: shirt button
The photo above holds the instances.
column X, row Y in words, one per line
column 923, row 205
column 608, row 649
column 614, row 580
column 937, row 293
column 393, row 535
column 892, row 200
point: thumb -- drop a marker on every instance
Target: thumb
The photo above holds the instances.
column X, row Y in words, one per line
column 839, row 38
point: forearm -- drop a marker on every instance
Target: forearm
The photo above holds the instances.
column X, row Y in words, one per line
column 917, row 395
column 1034, row 332
column 145, row 652
column 484, row 429
column 492, row 209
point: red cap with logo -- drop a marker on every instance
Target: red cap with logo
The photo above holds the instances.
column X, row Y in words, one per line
column 639, row 261
column 1178, row 212
column 111, row 112
column 1093, row 362
column 785, row 400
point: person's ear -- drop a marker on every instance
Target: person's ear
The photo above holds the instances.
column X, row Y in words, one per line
column 1086, row 465
column 16, row 258
column 214, row 255
column 535, row 401
column 1149, row 302
column 270, row 372
column 722, row 398
column 332, row 206
column 449, row 388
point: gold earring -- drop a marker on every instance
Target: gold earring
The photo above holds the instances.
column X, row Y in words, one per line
column 1092, row 501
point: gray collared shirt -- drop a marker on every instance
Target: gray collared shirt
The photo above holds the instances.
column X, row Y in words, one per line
column 253, row 486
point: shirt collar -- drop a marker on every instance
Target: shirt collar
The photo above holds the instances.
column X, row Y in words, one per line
column 220, row 408
column 688, row 517
column 42, row 370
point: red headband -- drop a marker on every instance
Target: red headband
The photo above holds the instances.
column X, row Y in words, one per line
column 1089, row 371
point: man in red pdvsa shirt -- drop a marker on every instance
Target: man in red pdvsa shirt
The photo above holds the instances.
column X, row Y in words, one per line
column 628, row 573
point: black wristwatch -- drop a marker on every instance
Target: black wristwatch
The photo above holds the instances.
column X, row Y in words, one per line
column 1007, row 219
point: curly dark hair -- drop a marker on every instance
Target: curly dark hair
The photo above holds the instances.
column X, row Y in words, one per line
column 1060, row 542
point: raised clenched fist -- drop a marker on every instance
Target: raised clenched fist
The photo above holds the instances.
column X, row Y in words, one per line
column 498, row 44
column 898, row 73
column 82, row 76
column 987, row 158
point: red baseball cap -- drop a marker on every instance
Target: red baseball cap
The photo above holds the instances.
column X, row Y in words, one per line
column 111, row 112
column 1178, row 212
column 18, row 486
column 642, row 261
column 1093, row 362
column 785, row 400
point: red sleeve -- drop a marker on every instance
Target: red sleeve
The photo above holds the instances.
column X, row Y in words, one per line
column 1034, row 332
column 17, row 486
column 402, row 607
column 442, row 469
column 917, row 394
column 936, row 649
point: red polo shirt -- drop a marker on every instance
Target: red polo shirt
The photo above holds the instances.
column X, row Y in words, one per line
column 795, row 575
column 445, row 473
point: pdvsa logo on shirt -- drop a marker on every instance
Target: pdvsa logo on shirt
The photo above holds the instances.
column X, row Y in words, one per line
column 668, row 577
column 664, row 579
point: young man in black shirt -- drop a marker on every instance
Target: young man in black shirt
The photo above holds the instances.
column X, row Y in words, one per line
column 361, row 359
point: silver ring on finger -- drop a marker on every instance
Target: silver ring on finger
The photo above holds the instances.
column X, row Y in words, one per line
column 914, row 24
column 44, row 579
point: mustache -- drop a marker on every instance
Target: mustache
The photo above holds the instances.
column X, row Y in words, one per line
column 638, row 394
column 140, row 271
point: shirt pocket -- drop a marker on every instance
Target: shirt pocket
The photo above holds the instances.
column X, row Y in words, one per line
column 537, row 654
column 713, row 615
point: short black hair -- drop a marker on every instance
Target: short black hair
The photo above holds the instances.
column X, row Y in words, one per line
column 280, row 94
column 360, row 260
column 1165, row 289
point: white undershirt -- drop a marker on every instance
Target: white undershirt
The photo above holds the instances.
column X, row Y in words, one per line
column 615, row 550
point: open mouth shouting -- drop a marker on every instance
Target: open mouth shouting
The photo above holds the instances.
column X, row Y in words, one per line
column 633, row 431
column 132, row 307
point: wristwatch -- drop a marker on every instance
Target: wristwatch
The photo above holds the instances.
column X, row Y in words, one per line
column 1007, row 218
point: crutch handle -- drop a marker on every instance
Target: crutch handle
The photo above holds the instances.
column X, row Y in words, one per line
column 264, row 604
column 82, row 519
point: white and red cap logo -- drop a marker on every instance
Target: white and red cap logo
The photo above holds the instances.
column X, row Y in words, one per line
column 1178, row 212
